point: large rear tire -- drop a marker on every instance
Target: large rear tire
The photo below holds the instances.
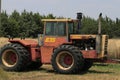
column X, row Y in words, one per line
column 14, row 57
column 67, row 59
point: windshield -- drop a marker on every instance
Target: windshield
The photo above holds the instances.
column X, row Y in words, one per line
column 55, row 28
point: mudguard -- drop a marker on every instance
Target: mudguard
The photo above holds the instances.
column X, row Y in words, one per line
column 31, row 43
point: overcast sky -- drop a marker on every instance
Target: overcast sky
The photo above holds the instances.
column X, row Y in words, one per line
column 66, row 8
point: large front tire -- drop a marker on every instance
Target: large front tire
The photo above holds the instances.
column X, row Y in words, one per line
column 67, row 59
column 14, row 57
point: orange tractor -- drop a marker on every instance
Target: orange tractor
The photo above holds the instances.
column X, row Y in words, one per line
column 61, row 45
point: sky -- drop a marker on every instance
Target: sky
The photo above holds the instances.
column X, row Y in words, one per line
column 65, row 8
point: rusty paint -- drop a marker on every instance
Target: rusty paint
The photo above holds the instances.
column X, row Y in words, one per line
column 25, row 42
column 91, row 54
column 35, row 53
column 46, row 53
column 49, row 46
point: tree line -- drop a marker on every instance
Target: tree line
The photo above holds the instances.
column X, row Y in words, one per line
column 29, row 24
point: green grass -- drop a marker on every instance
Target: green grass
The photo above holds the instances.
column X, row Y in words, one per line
column 97, row 72
column 3, row 75
column 107, row 68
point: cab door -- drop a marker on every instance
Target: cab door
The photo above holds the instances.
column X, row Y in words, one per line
column 55, row 35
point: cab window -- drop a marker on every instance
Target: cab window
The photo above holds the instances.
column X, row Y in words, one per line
column 61, row 29
column 70, row 28
column 55, row 28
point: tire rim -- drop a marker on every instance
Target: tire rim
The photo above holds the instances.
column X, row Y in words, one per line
column 9, row 58
column 64, row 60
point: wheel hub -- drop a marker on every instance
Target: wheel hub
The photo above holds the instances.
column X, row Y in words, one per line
column 9, row 58
column 68, row 60
column 65, row 60
column 13, row 58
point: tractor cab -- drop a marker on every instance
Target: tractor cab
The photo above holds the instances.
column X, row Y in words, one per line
column 62, row 27
column 59, row 27
column 57, row 31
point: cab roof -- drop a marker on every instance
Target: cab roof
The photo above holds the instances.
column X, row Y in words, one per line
column 58, row 20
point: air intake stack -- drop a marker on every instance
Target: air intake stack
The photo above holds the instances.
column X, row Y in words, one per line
column 99, row 36
column 79, row 17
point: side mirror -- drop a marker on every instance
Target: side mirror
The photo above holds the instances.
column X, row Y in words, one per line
column 40, row 39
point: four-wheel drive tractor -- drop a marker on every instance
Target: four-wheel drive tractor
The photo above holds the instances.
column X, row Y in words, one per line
column 61, row 45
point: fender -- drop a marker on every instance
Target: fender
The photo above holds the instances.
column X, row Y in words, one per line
column 25, row 43
column 31, row 45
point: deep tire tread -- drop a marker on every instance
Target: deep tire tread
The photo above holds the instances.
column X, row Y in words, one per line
column 23, row 60
column 75, row 51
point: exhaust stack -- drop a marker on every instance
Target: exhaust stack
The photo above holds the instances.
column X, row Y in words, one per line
column 99, row 37
column 99, row 24
column 79, row 17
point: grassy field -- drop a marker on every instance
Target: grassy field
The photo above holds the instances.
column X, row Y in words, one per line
column 97, row 72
